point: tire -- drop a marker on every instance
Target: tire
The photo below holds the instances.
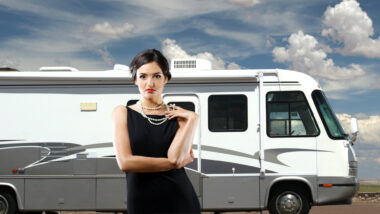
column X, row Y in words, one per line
column 289, row 200
column 8, row 203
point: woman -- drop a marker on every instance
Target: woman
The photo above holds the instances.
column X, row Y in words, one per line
column 153, row 143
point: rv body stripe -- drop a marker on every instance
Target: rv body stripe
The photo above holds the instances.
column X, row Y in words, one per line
column 59, row 150
column 271, row 155
column 90, row 146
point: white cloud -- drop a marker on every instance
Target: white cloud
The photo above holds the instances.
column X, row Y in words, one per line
column 246, row 3
column 369, row 127
column 172, row 50
column 32, row 62
column 233, row 66
column 106, row 56
column 50, row 42
column 306, row 55
column 174, row 9
column 255, row 40
column 347, row 23
column 110, row 31
column 359, row 84
column 56, row 49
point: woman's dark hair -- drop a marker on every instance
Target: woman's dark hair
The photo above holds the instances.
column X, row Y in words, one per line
column 148, row 56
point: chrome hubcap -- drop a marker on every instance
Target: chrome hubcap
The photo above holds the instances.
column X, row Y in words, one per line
column 289, row 203
column 3, row 205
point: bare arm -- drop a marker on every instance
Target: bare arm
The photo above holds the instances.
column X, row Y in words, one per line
column 180, row 149
column 188, row 159
column 126, row 160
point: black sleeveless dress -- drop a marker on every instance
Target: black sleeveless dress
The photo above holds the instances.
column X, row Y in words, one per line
column 157, row 192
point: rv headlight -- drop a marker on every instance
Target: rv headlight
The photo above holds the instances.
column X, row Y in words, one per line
column 353, row 164
column 353, row 171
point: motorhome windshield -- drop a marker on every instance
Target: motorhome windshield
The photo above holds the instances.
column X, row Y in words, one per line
column 330, row 121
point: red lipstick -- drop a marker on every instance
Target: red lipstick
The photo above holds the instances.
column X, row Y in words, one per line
column 150, row 90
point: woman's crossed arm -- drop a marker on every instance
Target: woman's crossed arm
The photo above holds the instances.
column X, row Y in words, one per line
column 180, row 152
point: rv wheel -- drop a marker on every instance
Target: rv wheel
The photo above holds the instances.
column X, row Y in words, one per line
column 7, row 203
column 289, row 201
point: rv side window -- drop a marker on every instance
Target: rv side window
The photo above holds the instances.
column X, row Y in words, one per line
column 289, row 115
column 227, row 113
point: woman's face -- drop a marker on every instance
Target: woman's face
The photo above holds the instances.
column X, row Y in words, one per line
column 150, row 80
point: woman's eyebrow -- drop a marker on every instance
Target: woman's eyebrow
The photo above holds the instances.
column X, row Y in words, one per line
column 142, row 73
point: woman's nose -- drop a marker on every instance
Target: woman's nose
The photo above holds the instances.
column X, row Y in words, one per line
column 150, row 82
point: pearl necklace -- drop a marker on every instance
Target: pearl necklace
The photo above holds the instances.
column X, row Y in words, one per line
column 153, row 121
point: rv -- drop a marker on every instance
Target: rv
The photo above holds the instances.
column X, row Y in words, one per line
column 267, row 139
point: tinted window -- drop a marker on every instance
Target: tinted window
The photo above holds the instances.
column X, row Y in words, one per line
column 334, row 129
column 227, row 113
column 288, row 114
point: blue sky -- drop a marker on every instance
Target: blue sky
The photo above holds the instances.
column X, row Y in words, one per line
column 336, row 41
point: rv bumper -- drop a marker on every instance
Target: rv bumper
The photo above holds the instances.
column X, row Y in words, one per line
column 337, row 190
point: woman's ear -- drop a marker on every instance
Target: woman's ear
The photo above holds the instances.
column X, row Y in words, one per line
column 166, row 79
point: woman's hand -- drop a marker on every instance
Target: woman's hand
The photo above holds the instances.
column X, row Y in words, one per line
column 180, row 113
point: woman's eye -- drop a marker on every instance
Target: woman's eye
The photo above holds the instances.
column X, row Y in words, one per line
column 158, row 76
column 142, row 77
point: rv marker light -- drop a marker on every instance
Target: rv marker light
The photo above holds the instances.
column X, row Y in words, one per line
column 14, row 170
column 327, row 185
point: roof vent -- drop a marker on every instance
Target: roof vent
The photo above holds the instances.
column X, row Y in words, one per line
column 186, row 64
column 58, row 69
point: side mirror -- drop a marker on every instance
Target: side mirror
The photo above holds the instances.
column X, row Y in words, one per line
column 354, row 125
column 354, row 130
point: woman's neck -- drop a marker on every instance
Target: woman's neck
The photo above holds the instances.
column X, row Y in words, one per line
column 151, row 102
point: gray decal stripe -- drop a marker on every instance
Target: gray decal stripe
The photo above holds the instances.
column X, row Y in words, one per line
column 223, row 167
column 225, row 151
column 57, row 149
column 271, row 155
column 10, row 140
column 91, row 146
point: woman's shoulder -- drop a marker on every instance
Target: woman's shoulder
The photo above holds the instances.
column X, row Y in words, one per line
column 119, row 111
